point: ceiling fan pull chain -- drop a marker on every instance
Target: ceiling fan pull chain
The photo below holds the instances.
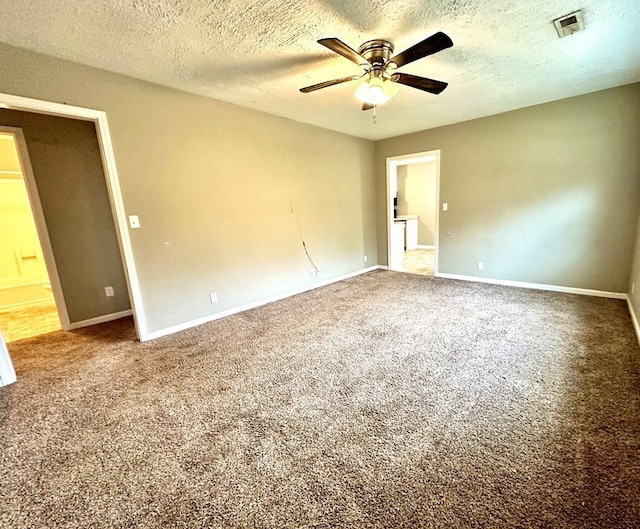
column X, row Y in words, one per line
column 375, row 117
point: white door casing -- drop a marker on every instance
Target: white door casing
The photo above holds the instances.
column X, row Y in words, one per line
column 99, row 118
column 393, row 163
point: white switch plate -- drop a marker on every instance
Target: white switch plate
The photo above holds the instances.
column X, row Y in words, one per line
column 480, row 265
column 445, row 206
column 109, row 291
column 134, row 221
column 213, row 297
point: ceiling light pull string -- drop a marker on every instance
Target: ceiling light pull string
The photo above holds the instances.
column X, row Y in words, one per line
column 375, row 116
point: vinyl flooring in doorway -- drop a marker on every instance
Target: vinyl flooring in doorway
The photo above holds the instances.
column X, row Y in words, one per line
column 26, row 322
column 418, row 261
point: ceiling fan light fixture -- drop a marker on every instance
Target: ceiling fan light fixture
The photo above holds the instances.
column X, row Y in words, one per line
column 376, row 58
column 376, row 90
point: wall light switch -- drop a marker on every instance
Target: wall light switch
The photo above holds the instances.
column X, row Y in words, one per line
column 109, row 291
column 445, row 206
column 134, row 221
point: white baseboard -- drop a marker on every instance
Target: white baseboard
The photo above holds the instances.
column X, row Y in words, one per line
column 99, row 319
column 426, row 247
column 25, row 304
column 634, row 319
column 536, row 286
column 248, row 306
column 212, row 317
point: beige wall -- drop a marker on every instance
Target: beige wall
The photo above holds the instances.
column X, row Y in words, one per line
column 213, row 184
column 9, row 161
column 634, row 281
column 67, row 167
column 21, row 259
column 547, row 194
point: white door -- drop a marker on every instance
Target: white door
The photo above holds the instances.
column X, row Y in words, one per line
column 7, row 373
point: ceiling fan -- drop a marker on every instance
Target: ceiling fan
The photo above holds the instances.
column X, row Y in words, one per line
column 375, row 57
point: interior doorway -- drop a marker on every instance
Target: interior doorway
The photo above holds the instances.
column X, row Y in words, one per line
column 99, row 119
column 413, row 186
column 29, row 284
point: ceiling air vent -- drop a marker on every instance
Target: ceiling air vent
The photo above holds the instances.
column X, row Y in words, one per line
column 569, row 24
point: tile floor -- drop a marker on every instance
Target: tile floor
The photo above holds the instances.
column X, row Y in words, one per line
column 29, row 321
column 418, row 261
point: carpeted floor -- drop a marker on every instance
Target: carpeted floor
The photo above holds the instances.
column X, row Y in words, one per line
column 387, row 400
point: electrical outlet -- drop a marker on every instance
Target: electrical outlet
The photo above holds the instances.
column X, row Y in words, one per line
column 213, row 297
column 108, row 291
column 365, row 258
column 445, row 206
column 313, row 272
column 480, row 265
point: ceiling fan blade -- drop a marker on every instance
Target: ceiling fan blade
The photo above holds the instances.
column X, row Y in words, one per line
column 367, row 106
column 343, row 49
column 318, row 86
column 421, row 83
column 433, row 44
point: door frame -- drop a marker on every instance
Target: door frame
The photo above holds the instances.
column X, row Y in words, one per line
column 7, row 373
column 99, row 118
column 41, row 225
column 393, row 162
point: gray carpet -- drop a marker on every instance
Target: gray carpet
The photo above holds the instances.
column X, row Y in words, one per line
column 387, row 400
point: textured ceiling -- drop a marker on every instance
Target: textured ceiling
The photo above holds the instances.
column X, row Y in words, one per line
column 257, row 54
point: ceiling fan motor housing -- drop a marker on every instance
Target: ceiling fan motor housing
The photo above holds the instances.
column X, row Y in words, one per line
column 377, row 52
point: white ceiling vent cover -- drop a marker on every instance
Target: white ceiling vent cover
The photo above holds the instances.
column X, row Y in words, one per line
column 569, row 24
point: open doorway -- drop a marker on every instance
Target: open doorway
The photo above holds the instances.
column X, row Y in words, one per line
column 27, row 302
column 413, row 183
column 114, row 204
